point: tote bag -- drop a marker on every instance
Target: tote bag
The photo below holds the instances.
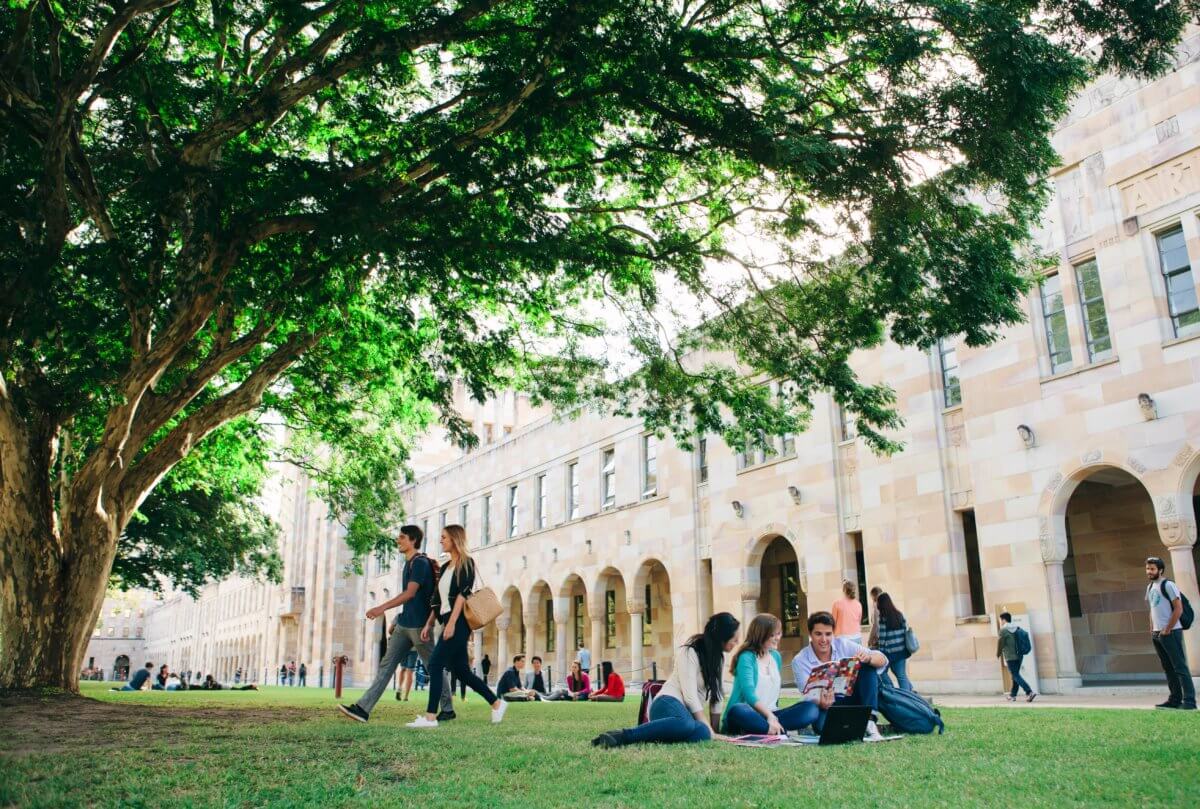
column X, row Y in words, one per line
column 482, row 607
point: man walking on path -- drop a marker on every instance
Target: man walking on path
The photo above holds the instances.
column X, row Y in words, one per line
column 417, row 583
column 1166, row 609
column 1008, row 649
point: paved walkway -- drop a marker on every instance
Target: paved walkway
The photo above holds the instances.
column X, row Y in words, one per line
column 1130, row 699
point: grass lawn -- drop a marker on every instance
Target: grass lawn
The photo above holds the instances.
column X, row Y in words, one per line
column 288, row 747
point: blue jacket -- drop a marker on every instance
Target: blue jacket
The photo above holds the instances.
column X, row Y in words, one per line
column 745, row 680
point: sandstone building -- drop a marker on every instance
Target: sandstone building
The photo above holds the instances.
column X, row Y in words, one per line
column 1037, row 474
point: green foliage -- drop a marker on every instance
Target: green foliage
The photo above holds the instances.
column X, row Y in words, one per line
column 330, row 213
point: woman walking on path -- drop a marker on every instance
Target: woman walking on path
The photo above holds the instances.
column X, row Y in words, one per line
column 893, row 629
column 757, row 680
column 847, row 613
column 680, row 712
column 456, row 583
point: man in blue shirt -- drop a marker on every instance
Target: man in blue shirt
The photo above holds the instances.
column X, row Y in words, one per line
column 138, row 681
column 416, row 590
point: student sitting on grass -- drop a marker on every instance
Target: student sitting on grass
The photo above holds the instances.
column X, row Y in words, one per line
column 757, row 681
column 509, row 688
column 139, row 679
column 614, row 686
column 578, row 685
column 680, row 712
column 822, row 648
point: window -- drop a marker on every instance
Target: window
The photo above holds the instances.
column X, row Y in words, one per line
column 789, row 594
column 608, row 478
column 1054, row 319
column 1095, row 319
column 948, row 360
column 549, row 625
column 1071, row 578
column 610, row 619
column 974, row 571
column 442, row 519
column 512, row 511
column 573, row 491
column 486, row 517
column 489, row 434
column 769, row 450
column 649, row 465
column 578, row 621
column 647, row 618
column 425, row 531
column 847, row 424
column 702, row 452
column 540, row 497
column 507, row 430
column 462, row 515
column 1181, row 289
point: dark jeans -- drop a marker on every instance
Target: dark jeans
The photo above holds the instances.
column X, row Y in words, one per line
column 1014, row 668
column 742, row 718
column 451, row 655
column 898, row 666
column 669, row 722
column 1174, row 663
column 866, row 692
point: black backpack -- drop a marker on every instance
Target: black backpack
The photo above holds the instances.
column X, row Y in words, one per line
column 907, row 712
column 1188, row 615
column 1024, row 644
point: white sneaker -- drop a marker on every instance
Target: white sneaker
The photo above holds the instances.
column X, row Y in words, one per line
column 873, row 734
column 498, row 713
column 422, row 722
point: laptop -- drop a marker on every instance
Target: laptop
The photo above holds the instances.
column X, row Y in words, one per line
column 845, row 723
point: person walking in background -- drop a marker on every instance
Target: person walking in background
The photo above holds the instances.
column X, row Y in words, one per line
column 578, row 685
column 485, row 666
column 681, row 711
column 291, row 672
column 407, row 669
column 584, row 657
column 1166, row 610
column 757, row 680
column 418, row 583
column 893, row 634
column 847, row 613
column 303, row 672
column 456, row 583
column 614, row 686
column 282, row 674
column 1009, row 650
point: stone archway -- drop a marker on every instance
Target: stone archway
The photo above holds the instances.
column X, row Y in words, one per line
column 775, row 582
column 654, row 650
column 610, row 636
column 572, row 617
column 121, row 668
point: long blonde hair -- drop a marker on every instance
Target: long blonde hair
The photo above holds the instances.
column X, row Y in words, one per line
column 760, row 631
column 458, row 540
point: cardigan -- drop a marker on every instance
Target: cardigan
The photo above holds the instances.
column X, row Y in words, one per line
column 745, row 680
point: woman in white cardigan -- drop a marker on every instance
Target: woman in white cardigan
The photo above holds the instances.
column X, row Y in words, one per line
column 680, row 712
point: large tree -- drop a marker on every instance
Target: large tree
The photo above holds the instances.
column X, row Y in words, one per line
column 330, row 211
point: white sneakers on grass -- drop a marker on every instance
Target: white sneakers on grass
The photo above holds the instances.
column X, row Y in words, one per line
column 422, row 722
column 498, row 713
column 873, row 734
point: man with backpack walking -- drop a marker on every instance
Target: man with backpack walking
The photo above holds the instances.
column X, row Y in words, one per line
column 1012, row 646
column 1170, row 614
column 418, row 583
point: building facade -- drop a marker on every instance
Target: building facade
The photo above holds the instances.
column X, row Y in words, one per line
column 1037, row 474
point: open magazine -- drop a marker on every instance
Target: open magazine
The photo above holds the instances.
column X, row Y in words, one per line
column 839, row 675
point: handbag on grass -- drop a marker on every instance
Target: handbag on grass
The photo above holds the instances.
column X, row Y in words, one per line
column 482, row 607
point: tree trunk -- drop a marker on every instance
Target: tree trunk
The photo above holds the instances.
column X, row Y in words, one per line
column 52, row 576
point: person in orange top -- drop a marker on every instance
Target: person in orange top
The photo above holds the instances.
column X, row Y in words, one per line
column 847, row 614
column 614, row 686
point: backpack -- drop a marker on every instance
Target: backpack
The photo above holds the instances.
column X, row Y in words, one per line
column 907, row 712
column 1024, row 644
column 650, row 690
column 1188, row 615
column 434, row 593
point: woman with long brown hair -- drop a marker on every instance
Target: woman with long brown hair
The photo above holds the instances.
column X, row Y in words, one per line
column 757, row 680
column 457, row 581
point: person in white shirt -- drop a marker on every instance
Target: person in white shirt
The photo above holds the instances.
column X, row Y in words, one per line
column 1166, row 609
column 823, row 647
column 681, row 711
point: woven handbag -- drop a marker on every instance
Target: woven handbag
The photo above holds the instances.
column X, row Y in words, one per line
column 482, row 607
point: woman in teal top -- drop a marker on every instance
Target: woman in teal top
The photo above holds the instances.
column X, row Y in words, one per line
column 757, row 680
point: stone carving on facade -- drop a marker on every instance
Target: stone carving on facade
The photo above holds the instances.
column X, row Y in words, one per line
column 962, row 499
column 635, row 606
column 1070, row 203
column 503, row 623
column 1052, row 549
column 1182, row 457
column 1136, row 465
column 851, row 522
column 1092, row 456
column 955, row 434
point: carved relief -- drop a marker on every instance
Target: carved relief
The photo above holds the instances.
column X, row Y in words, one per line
column 955, row 434
column 503, row 622
column 1173, row 179
column 1182, row 457
column 1070, row 203
column 635, row 606
column 1136, row 465
column 851, row 522
column 963, row 499
column 1053, row 483
column 1092, row 456
column 1166, row 507
column 1052, row 550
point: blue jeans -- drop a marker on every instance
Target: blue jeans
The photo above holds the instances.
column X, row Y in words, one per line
column 669, row 722
column 1014, row 668
column 898, row 666
column 742, row 718
column 866, row 692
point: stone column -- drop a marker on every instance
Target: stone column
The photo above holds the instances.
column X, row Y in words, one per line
column 477, row 641
column 749, row 610
column 636, row 609
column 502, row 625
column 1064, row 642
column 1183, row 569
column 597, row 643
column 562, row 613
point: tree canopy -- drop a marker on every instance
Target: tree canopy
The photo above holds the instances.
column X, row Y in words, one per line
column 331, row 211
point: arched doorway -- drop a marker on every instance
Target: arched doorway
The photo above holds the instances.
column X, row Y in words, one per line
column 1111, row 529
column 652, row 587
column 782, row 594
column 577, row 625
column 121, row 668
column 512, row 604
column 543, row 637
column 610, row 603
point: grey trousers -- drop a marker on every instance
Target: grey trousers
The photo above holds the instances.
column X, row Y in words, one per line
column 399, row 644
